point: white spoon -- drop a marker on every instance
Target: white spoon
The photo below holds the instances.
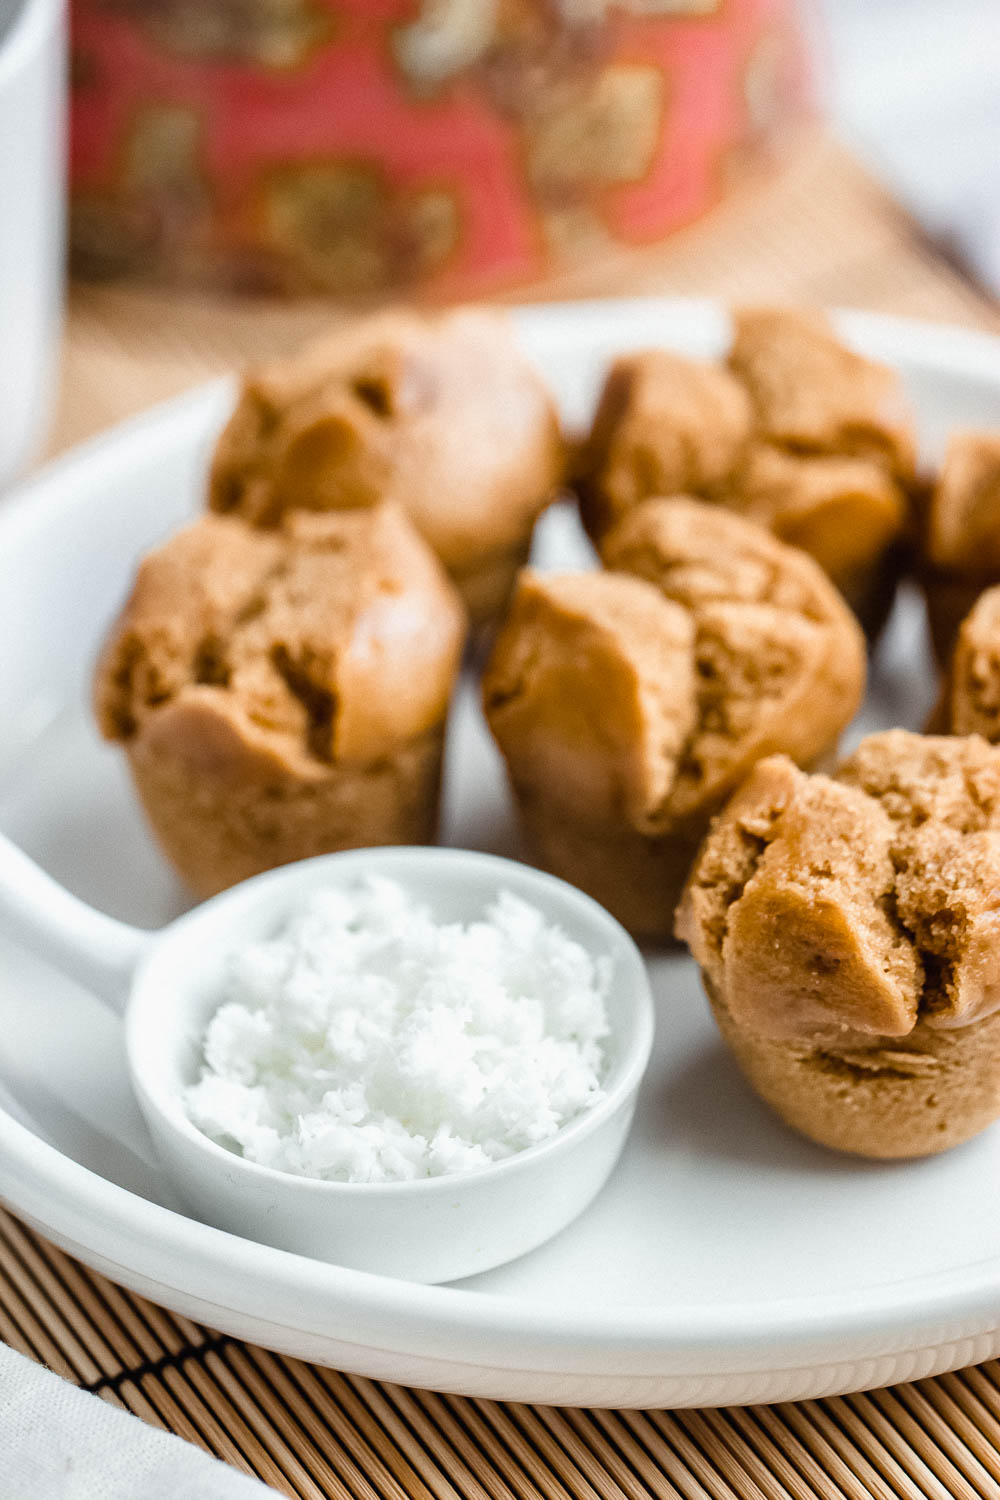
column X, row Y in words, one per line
column 168, row 984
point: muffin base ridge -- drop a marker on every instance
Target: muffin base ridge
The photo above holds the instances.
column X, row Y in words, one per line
column 885, row 1099
column 637, row 878
column 217, row 829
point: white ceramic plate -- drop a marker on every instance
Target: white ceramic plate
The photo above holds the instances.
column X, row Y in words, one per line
column 727, row 1261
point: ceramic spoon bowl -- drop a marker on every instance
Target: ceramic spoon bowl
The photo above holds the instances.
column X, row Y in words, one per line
column 168, row 985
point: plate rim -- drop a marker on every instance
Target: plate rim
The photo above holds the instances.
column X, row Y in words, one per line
column 471, row 1326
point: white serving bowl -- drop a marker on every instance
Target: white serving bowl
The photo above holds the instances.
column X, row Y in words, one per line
column 432, row 1229
column 32, row 220
column 429, row 1229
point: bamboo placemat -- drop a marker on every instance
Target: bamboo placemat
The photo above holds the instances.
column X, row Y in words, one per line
column 821, row 231
column 319, row 1435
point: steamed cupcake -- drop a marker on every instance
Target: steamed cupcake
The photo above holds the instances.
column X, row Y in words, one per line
column 846, row 929
column 629, row 703
column 283, row 693
column 797, row 432
column 440, row 413
column 961, row 533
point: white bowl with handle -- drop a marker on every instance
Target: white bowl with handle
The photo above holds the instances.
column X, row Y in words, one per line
column 32, row 220
column 168, row 985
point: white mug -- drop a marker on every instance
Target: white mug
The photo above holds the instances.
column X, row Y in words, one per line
column 32, row 220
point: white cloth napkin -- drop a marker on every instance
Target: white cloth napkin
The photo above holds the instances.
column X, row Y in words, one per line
column 58, row 1443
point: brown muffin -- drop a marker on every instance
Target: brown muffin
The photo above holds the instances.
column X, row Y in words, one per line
column 811, row 394
column 628, row 704
column 664, row 425
column 848, row 513
column 283, row 693
column 847, row 931
column 961, row 533
column 440, row 413
column 970, row 699
column 798, row 433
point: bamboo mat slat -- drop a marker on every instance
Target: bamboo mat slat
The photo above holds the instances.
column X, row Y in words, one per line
column 821, row 231
column 316, row 1434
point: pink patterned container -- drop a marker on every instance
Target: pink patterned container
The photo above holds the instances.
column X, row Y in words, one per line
column 449, row 147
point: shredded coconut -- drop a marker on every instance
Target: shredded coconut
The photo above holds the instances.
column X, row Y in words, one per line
column 367, row 1042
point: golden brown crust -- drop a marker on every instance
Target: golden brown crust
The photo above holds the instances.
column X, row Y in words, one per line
column 628, row 704
column 779, row 659
column 811, row 394
column 798, row 433
column 222, row 813
column 590, row 694
column 970, row 702
column 961, row 533
column 664, row 425
column 695, row 552
column 440, row 413
column 281, row 692
column 847, row 513
column 590, row 690
column 331, row 638
column 915, row 1096
column 926, row 778
column 963, row 518
column 638, row 877
column 847, row 927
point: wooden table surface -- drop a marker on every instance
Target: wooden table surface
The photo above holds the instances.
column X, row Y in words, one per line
column 819, row 231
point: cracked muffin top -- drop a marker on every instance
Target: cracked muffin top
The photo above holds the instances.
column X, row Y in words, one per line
column 811, row 394
column 592, row 684
column 440, row 412
column 330, row 638
column 963, row 515
column 645, row 693
column 796, row 431
column 664, row 425
column 832, row 910
column 842, row 510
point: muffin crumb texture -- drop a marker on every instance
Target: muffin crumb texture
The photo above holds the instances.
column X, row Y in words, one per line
column 847, row 928
column 812, row 394
column 797, row 432
column 629, row 703
column 439, row 413
column 283, row 693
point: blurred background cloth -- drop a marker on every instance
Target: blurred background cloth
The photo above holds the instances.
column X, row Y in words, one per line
column 914, row 86
column 368, row 149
